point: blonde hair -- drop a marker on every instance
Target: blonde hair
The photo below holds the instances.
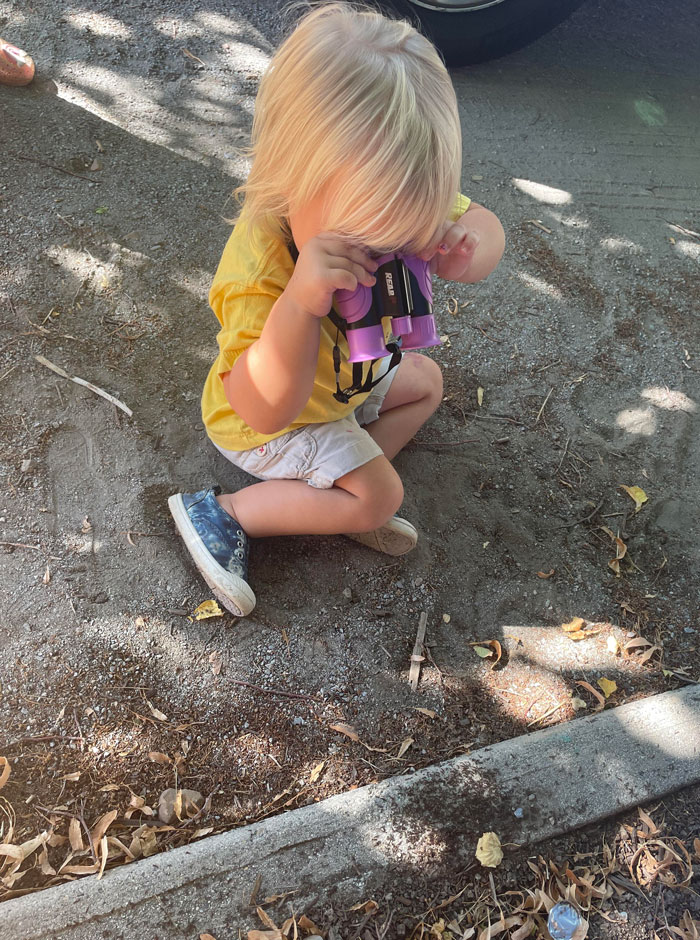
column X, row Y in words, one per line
column 359, row 107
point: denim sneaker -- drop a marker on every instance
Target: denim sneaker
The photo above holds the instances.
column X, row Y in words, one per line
column 218, row 546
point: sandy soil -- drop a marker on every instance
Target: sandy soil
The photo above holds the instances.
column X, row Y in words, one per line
column 115, row 174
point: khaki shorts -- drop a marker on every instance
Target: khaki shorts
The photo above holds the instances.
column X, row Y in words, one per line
column 319, row 453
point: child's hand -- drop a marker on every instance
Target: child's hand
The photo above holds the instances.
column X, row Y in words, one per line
column 328, row 263
column 453, row 253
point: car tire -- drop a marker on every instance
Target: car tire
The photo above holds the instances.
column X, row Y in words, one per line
column 470, row 32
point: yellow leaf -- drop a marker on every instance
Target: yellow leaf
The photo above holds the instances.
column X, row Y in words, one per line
column 637, row 494
column 608, row 686
column 208, row 609
column 489, row 851
column 480, row 396
column 573, row 625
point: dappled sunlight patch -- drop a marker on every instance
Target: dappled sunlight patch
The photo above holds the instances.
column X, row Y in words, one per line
column 689, row 249
column 101, row 24
column 543, row 193
column 637, row 421
column 540, row 285
column 619, row 245
column 669, row 400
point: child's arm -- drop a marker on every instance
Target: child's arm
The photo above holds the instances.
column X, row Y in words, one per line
column 271, row 382
column 469, row 248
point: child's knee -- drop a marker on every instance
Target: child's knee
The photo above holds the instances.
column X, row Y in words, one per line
column 379, row 500
column 427, row 377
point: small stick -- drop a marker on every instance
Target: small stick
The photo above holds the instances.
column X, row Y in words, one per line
column 36, row 548
column 566, row 525
column 566, row 447
column 53, row 166
column 471, row 440
column 258, row 688
column 544, row 403
column 416, row 656
column 38, row 738
column 93, row 388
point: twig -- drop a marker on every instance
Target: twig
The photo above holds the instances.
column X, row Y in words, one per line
column 36, row 548
column 38, row 738
column 416, row 656
column 566, row 525
column 93, row 388
column 53, row 166
column 566, row 447
column 471, row 440
column 544, row 403
column 258, row 688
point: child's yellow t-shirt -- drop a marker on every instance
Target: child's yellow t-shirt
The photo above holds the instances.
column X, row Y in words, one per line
column 249, row 280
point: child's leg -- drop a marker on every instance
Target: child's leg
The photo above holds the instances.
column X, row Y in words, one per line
column 413, row 397
column 359, row 501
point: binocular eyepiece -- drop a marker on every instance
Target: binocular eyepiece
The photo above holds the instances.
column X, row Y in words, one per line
column 403, row 292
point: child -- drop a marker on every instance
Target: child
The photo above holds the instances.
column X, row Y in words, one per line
column 356, row 152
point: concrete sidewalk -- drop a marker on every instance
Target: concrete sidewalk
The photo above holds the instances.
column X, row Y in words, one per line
column 345, row 847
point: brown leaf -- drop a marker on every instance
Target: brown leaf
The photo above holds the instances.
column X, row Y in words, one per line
column 573, row 625
column 306, row 924
column 347, row 730
column 493, row 647
column 405, row 744
column 216, row 662
column 101, row 826
column 4, row 771
column 75, row 835
column 156, row 712
column 545, row 574
column 206, row 936
column 316, row 772
column 428, row 712
column 589, row 688
column 158, row 757
column 266, row 919
column 369, row 907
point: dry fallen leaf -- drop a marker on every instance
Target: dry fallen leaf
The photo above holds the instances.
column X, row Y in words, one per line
column 347, row 730
column 578, row 703
column 216, row 662
column 369, row 907
column 637, row 494
column 480, row 396
column 156, row 712
column 4, row 771
column 573, row 625
column 545, row 574
column 613, row 645
column 608, row 686
column 594, row 692
column 428, row 712
column 158, row 757
column 316, row 772
column 206, row 936
column 489, row 851
column 405, row 744
column 208, row 609
column 486, row 648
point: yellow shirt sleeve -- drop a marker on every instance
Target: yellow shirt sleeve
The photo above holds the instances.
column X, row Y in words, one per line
column 460, row 206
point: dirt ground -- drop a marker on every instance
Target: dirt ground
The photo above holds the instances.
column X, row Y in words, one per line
column 571, row 372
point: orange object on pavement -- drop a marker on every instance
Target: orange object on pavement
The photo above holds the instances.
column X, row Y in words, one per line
column 16, row 67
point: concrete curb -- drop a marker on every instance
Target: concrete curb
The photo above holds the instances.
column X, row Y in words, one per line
column 343, row 848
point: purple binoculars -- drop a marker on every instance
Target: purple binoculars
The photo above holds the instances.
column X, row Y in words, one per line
column 404, row 292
